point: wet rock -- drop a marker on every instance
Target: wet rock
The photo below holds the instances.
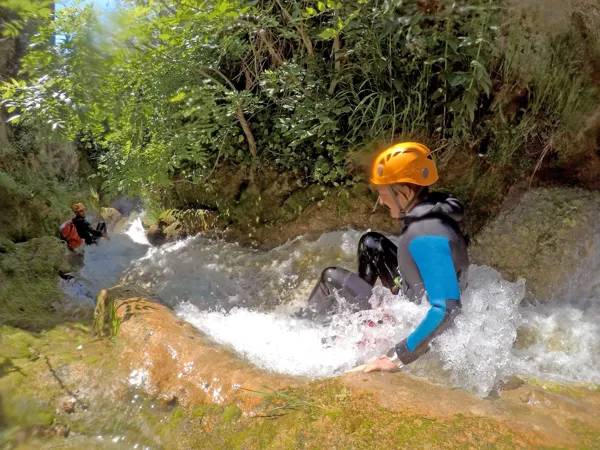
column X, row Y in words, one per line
column 155, row 235
column 29, row 288
column 512, row 382
column 175, row 225
column 175, row 232
column 58, row 430
column 68, row 405
column 201, row 384
column 169, row 358
column 168, row 401
column 543, row 237
column 526, row 396
column 110, row 215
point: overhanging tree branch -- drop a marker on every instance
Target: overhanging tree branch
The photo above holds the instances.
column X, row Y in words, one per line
column 300, row 28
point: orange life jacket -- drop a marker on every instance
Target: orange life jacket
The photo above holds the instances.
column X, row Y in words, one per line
column 69, row 234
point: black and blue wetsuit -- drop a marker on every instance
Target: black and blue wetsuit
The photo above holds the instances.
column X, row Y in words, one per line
column 431, row 258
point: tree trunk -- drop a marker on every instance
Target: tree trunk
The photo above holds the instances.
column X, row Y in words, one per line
column 338, row 63
column 247, row 131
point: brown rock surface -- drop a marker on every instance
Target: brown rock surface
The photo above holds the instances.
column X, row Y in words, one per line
column 170, row 359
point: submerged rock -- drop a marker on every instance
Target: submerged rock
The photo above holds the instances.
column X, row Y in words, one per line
column 544, row 238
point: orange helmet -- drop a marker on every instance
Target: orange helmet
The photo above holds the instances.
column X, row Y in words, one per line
column 407, row 162
column 78, row 208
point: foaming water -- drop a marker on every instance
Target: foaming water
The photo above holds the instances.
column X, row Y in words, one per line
column 475, row 354
column 245, row 299
column 105, row 262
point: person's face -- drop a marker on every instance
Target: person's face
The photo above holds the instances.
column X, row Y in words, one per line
column 403, row 193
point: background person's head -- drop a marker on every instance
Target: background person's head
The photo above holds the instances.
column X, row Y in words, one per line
column 78, row 209
column 402, row 175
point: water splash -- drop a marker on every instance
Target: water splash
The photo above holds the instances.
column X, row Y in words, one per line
column 245, row 299
column 475, row 354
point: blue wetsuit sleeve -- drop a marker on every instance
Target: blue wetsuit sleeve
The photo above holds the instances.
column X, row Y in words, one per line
column 433, row 257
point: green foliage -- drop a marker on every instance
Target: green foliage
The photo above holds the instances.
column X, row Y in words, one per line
column 23, row 11
column 165, row 91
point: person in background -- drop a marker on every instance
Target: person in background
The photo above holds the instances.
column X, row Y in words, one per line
column 78, row 230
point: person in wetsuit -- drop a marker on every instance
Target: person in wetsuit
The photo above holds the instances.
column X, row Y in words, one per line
column 429, row 261
column 85, row 230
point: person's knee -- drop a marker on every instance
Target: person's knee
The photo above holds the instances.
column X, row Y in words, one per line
column 330, row 274
column 370, row 242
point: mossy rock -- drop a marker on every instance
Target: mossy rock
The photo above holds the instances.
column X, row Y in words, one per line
column 300, row 200
column 211, row 194
column 262, row 199
column 543, row 238
column 29, row 282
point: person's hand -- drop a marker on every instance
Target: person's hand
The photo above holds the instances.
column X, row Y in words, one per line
column 382, row 364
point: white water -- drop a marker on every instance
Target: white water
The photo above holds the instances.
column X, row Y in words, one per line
column 245, row 300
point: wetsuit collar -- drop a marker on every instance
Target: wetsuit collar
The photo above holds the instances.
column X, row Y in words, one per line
column 436, row 204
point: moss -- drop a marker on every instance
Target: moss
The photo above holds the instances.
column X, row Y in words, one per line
column 178, row 415
column 29, row 283
column 575, row 390
column 590, row 436
column 28, row 412
column 91, row 360
column 198, row 412
column 231, row 414
column 326, row 415
column 300, row 200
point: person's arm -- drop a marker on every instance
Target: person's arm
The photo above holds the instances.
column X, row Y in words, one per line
column 90, row 229
column 433, row 257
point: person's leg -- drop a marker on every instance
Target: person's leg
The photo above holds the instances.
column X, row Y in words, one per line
column 377, row 258
column 322, row 301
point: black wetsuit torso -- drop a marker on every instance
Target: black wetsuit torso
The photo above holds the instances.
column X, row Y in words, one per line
column 85, row 230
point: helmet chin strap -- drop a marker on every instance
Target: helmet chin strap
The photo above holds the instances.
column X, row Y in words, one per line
column 409, row 205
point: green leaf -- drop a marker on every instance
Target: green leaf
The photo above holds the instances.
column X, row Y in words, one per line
column 328, row 33
column 311, row 11
column 321, row 6
column 177, row 98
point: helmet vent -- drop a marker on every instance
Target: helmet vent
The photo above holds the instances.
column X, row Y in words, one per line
column 388, row 157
